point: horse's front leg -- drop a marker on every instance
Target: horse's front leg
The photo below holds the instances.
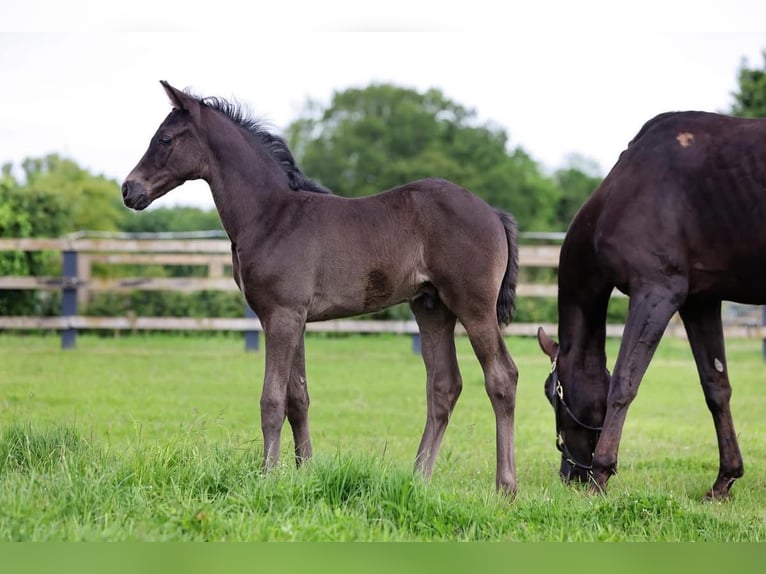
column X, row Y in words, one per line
column 284, row 335
column 298, row 405
column 649, row 313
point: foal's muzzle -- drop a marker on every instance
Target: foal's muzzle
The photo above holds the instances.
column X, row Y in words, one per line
column 135, row 196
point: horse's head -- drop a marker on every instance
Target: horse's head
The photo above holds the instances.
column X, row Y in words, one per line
column 176, row 154
column 578, row 408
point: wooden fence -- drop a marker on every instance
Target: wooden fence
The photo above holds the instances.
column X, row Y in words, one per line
column 76, row 283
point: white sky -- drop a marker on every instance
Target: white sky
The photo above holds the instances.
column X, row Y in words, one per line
column 81, row 78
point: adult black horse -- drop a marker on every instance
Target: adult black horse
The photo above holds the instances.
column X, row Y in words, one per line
column 303, row 254
column 678, row 226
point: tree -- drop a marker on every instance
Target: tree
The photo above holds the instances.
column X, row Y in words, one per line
column 371, row 139
column 164, row 219
column 56, row 197
column 27, row 213
column 750, row 101
column 576, row 181
column 92, row 202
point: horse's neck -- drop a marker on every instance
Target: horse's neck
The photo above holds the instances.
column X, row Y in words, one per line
column 582, row 333
column 584, row 294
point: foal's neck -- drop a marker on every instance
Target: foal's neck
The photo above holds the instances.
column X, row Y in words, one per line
column 244, row 178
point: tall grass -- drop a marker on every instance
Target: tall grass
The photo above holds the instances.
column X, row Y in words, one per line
column 157, row 438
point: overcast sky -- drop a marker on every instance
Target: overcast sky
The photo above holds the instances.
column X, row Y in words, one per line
column 81, row 78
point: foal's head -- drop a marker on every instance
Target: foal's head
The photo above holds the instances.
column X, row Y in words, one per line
column 184, row 147
column 176, row 154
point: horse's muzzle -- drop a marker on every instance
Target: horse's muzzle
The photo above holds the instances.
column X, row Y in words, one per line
column 134, row 195
column 570, row 473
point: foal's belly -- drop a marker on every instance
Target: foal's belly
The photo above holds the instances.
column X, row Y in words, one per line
column 373, row 291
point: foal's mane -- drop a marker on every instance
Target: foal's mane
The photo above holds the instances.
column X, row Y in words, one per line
column 275, row 144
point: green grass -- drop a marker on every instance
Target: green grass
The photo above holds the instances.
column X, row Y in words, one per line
column 158, row 438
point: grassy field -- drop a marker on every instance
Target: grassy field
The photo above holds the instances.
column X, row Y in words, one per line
column 158, row 438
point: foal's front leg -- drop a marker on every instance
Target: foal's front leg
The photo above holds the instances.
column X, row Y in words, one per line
column 284, row 335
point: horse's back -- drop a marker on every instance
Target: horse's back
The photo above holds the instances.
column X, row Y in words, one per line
column 687, row 197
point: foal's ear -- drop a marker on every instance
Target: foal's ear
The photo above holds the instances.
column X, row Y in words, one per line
column 178, row 99
column 548, row 345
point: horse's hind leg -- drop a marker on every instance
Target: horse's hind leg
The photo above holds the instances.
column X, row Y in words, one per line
column 443, row 381
column 500, row 378
column 703, row 327
column 298, row 406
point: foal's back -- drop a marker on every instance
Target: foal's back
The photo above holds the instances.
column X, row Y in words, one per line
column 360, row 255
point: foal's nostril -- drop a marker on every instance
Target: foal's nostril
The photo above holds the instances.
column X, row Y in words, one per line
column 124, row 190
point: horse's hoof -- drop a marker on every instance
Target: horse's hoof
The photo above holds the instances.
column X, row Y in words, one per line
column 596, row 486
column 721, row 490
column 595, row 490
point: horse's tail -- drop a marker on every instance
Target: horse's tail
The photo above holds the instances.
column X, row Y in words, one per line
column 506, row 299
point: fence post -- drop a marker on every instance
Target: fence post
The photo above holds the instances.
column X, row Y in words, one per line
column 416, row 343
column 69, row 297
column 252, row 338
column 415, row 340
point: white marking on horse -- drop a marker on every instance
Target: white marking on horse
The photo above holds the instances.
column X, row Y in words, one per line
column 718, row 365
column 685, row 139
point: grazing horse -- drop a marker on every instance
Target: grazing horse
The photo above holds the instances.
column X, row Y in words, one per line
column 301, row 253
column 678, row 226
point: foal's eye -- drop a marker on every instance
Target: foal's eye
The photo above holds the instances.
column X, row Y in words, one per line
column 165, row 139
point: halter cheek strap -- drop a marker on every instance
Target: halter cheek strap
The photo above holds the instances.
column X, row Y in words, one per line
column 558, row 396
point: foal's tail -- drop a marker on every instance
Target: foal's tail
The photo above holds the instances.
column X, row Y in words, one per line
column 506, row 299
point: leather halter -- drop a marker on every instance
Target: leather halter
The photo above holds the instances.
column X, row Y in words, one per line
column 558, row 396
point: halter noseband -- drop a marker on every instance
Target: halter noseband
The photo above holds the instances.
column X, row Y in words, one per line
column 558, row 395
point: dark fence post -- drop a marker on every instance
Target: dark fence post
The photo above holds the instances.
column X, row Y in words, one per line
column 416, row 343
column 415, row 340
column 69, row 297
column 763, row 323
column 252, row 338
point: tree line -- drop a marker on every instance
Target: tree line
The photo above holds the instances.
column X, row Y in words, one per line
column 364, row 141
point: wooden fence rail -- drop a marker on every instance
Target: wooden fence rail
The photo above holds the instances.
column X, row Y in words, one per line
column 76, row 283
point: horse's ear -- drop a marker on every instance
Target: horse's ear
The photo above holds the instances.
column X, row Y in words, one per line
column 548, row 345
column 178, row 99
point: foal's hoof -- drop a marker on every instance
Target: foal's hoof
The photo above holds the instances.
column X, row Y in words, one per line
column 507, row 490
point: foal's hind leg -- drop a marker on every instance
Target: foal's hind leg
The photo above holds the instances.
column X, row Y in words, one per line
column 703, row 326
column 443, row 381
column 298, row 406
column 500, row 378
